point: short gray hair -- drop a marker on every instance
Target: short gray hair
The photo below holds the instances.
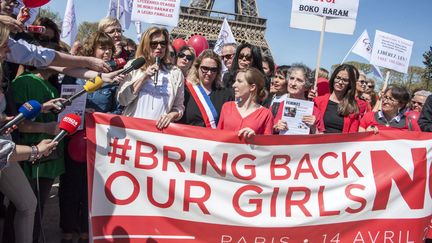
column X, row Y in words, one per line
column 424, row 93
column 309, row 79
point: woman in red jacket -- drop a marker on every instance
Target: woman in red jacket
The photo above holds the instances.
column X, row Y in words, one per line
column 392, row 115
column 340, row 110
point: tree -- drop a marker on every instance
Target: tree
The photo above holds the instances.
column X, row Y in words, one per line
column 85, row 29
column 54, row 16
column 427, row 75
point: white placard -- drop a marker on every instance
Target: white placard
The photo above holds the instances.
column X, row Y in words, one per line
column 391, row 51
column 346, row 9
column 163, row 12
column 78, row 105
column 293, row 112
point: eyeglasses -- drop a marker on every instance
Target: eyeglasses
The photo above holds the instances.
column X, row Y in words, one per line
column 227, row 56
column 247, row 57
column 391, row 99
column 362, row 82
column 339, row 78
column 371, row 86
column 16, row 3
column 188, row 57
column 115, row 30
column 205, row 69
column 155, row 44
column 417, row 103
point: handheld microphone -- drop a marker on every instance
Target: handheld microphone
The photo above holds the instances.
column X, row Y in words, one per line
column 28, row 110
column 35, row 29
column 89, row 87
column 137, row 63
column 68, row 125
column 158, row 63
column 116, row 63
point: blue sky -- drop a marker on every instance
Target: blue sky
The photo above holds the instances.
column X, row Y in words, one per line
column 408, row 19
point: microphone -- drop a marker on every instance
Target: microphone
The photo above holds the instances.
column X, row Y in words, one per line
column 89, row 87
column 28, row 110
column 68, row 125
column 137, row 63
column 116, row 63
column 35, row 29
column 158, row 63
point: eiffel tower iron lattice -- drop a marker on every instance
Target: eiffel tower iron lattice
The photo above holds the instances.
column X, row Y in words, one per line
column 200, row 18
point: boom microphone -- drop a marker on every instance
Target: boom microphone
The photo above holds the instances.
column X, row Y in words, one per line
column 68, row 125
column 158, row 63
column 137, row 63
column 28, row 110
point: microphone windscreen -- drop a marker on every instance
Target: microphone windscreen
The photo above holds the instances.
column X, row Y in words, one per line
column 30, row 109
column 137, row 63
column 70, row 123
column 93, row 85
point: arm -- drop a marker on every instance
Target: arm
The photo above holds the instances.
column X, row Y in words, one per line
column 92, row 63
column 23, row 152
column 425, row 119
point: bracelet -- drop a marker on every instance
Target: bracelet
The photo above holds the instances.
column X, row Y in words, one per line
column 34, row 153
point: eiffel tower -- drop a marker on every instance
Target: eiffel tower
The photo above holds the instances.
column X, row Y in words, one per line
column 200, row 18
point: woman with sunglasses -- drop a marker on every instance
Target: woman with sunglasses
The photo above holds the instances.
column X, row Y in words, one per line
column 144, row 96
column 246, row 56
column 246, row 115
column 204, row 92
column 340, row 110
column 392, row 115
column 185, row 58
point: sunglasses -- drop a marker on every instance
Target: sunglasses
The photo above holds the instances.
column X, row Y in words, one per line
column 188, row 57
column 247, row 57
column 205, row 69
column 118, row 30
column 155, row 44
column 371, row 86
column 362, row 82
column 227, row 56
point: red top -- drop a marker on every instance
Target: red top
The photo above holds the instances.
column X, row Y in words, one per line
column 351, row 122
column 261, row 120
column 372, row 119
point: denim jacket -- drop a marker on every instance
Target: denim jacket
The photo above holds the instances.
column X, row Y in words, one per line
column 103, row 99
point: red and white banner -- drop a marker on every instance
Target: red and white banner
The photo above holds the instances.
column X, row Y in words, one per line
column 191, row 184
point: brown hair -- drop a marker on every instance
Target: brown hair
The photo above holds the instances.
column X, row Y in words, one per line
column 348, row 105
column 97, row 38
column 255, row 77
column 144, row 49
column 193, row 76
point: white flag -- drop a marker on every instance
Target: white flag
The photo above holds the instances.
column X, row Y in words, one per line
column 69, row 26
column 363, row 46
column 112, row 9
column 127, row 13
column 225, row 37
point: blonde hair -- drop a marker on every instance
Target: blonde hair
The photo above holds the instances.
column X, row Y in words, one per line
column 4, row 33
column 256, row 77
column 193, row 76
column 107, row 22
column 144, row 49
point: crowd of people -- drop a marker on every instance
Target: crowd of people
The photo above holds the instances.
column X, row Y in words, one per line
column 240, row 90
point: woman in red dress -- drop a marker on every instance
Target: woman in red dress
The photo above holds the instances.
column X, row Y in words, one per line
column 246, row 115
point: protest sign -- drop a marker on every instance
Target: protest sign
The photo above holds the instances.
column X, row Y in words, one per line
column 391, row 51
column 293, row 112
column 341, row 15
column 191, row 184
column 162, row 12
column 77, row 106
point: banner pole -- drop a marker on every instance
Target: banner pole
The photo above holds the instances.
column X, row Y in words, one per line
column 387, row 77
column 118, row 10
column 318, row 62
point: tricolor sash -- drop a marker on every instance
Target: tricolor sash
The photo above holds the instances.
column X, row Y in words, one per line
column 206, row 107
